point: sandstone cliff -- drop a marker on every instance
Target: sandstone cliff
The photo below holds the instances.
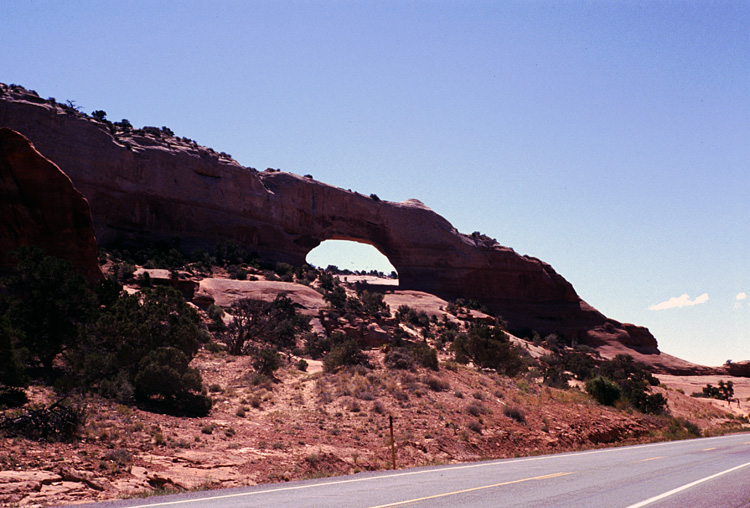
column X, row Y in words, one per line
column 40, row 207
column 147, row 185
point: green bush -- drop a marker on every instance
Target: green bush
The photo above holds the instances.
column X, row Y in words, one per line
column 680, row 428
column 46, row 300
column 724, row 391
column 436, row 384
column 344, row 351
column 259, row 322
column 425, row 355
column 140, row 350
column 634, row 382
column 603, row 390
column 514, row 413
column 317, row 345
column 399, row 358
column 489, row 347
column 165, row 380
column 373, row 304
column 336, row 298
column 99, row 115
column 266, row 360
column 12, row 355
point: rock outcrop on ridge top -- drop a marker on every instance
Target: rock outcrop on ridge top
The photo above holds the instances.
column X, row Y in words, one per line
column 40, row 207
column 147, row 185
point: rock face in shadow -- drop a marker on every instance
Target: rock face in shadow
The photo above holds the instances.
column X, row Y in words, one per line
column 146, row 186
column 40, row 207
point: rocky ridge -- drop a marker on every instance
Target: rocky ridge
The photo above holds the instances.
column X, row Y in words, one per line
column 146, row 185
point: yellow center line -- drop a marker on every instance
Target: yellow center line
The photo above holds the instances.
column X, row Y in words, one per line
column 708, row 449
column 646, row 460
column 456, row 492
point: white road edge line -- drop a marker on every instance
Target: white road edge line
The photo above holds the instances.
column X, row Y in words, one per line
column 500, row 462
column 685, row 487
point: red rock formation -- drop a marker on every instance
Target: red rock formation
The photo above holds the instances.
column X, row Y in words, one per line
column 739, row 369
column 146, row 186
column 40, row 207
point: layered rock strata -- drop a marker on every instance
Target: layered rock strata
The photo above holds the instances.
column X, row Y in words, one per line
column 147, row 185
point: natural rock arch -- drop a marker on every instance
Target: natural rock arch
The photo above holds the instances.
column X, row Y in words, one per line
column 351, row 248
column 147, row 186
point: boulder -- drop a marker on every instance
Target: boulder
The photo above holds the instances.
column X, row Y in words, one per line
column 40, row 207
column 739, row 369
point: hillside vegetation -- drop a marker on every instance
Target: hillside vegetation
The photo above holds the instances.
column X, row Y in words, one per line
column 140, row 391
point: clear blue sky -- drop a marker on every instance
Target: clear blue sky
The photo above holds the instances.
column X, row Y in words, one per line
column 610, row 139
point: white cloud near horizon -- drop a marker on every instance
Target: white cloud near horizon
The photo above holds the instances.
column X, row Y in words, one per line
column 678, row 302
column 741, row 296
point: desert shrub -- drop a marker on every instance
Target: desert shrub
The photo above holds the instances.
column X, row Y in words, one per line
column 316, row 345
column 373, row 304
column 144, row 280
column 124, row 272
column 653, row 404
column 336, row 298
column 425, row 355
column 724, row 391
column 436, row 384
column 61, row 421
column 377, row 407
column 406, row 314
column 399, row 358
column 681, row 428
column 118, row 387
column 257, row 321
column 166, row 380
column 141, row 347
column 99, row 115
column 237, row 272
column 229, row 253
column 266, row 360
column 302, row 365
column 476, row 409
column 634, row 382
column 554, row 372
column 283, row 268
column 475, row 426
column 327, row 281
column 579, row 363
column 344, row 351
column 603, row 390
column 514, row 413
column 47, row 301
column 489, row 347
column 12, row 356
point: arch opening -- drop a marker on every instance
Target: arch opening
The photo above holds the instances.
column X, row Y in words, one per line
column 354, row 260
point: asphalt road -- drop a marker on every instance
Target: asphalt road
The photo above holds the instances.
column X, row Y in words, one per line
column 708, row 472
